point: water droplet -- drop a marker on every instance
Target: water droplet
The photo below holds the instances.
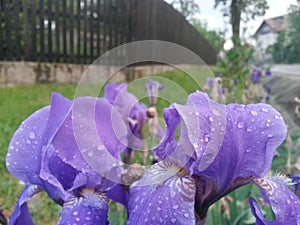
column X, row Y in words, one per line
column 264, row 110
column 254, row 113
column 240, row 125
column 91, row 153
column 249, row 129
column 210, row 119
column 100, row 147
column 32, row 135
column 270, row 135
column 28, row 141
column 175, row 206
column 186, row 215
column 206, row 137
column 173, row 220
column 248, row 150
column 277, row 117
column 196, row 113
column 158, row 209
column 288, row 201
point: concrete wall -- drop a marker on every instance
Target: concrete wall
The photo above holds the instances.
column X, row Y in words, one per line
column 13, row 73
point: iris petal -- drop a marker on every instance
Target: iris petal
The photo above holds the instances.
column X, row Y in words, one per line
column 90, row 208
column 170, row 201
column 27, row 144
column 20, row 215
column 260, row 220
column 284, row 202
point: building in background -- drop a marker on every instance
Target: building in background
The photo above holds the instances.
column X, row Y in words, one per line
column 266, row 35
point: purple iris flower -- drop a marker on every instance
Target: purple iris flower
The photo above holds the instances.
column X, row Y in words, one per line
column 152, row 88
column 134, row 113
column 46, row 154
column 296, row 183
column 268, row 72
column 220, row 148
column 256, row 75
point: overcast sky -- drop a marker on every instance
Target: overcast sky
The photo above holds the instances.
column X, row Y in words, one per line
column 214, row 20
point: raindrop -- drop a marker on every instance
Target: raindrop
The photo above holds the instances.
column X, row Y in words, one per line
column 32, row 135
column 210, row 119
column 264, row 110
column 158, row 209
column 173, row 220
column 278, row 117
column 249, row 129
column 288, row 201
column 28, row 141
column 240, row 125
column 270, row 135
column 186, row 215
column 254, row 113
column 248, row 150
column 206, row 137
column 175, row 206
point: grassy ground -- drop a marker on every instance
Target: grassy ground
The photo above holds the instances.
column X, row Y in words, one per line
column 17, row 103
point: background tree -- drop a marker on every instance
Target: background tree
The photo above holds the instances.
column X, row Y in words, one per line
column 215, row 38
column 286, row 49
column 188, row 8
column 241, row 10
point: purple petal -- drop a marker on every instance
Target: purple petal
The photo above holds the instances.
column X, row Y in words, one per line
column 25, row 149
column 167, row 202
column 253, row 133
column 284, row 202
column 20, row 215
column 89, row 208
column 260, row 220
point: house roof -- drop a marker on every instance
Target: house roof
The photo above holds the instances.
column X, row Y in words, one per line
column 277, row 24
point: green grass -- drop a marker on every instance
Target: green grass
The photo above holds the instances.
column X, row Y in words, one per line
column 17, row 103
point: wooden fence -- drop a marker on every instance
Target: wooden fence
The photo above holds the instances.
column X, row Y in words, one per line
column 78, row 31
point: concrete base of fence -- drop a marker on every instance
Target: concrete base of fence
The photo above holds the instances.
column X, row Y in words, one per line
column 15, row 73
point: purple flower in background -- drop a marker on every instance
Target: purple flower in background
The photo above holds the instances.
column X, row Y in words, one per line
column 296, row 183
column 45, row 154
column 218, row 73
column 219, row 149
column 268, row 72
column 152, row 88
column 256, row 75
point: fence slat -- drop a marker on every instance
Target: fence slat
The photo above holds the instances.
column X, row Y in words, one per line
column 85, row 25
column 42, row 31
column 71, row 28
column 1, row 33
column 99, row 26
column 7, row 29
column 64, row 29
column 78, row 32
column 50, row 18
column 33, row 34
column 17, row 37
column 92, row 25
column 57, row 33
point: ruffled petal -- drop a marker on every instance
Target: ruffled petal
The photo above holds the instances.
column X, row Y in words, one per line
column 162, row 196
column 285, row 203
column 25, row 149
column 89, row 208
column 260, row 220
column 20, row 215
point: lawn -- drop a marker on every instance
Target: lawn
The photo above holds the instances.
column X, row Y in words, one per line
column 17, row 103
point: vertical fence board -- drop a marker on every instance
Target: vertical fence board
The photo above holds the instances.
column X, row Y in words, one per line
column 17, row 37
column 42, row 31
column 57, row 33
column 7, row 29
column 78, row 32
column 85, row 25
column 50, row 18
column 92, row 25
column 99, row 26
column 64, row 29
column 71, row 30
column 33, row 35
column 1, row 32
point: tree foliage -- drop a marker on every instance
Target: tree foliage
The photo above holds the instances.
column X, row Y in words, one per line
column 241, row 10
column 188, row 8
column 286, row 49
column 215, row 38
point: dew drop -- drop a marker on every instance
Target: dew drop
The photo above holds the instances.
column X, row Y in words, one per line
column 240, row 125
column 173, row 220
column 28, row 141
column 249, row 129
column 264, row 110
column 254, row 113
column 186, row 215
column 206, row 137
column 32, row 135
column 175, row 206
column 210, row 119
column 248, row 150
